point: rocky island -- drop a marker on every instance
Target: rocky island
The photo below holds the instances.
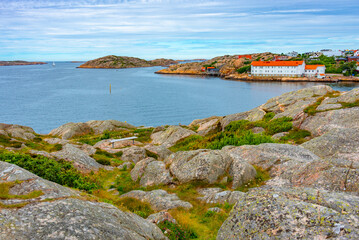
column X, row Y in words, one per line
column 17, row 63
column 288, row 169
column 113, row 61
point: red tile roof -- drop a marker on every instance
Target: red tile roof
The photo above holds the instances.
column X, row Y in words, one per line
column 277, row 63
column 313, row 67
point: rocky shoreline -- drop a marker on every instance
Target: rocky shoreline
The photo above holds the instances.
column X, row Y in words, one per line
column 19, row 63
column 288, row 169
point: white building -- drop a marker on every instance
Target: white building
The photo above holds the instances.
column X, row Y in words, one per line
column 331, row 53
column 315, row 71
column 292, row 54
column 356, row 53
column 286, row 69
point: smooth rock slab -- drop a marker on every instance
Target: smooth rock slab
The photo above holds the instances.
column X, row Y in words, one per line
column 133, row 154
column 292, row 213
column 155, row 173
column 160, row 150
column 218, row 195
column 158, row 199
column 74, row 219
column 79, row 158
column 171, row 136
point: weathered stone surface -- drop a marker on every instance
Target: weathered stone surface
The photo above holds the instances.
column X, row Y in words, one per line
column 158, row 199
column 280, row 159
column 207, row 125
column 79, row 158
column 74, row 219
column 133, row 154
column 160, row 150
column 278, row 136
column 258, row 130
column 139, row 169
column 170, row 136
column 337, row 143
column 126, row 165
column 215, row 209
column 71, row 129
column 88, row 149
column 108, row 125
column 199, row 165
column 56, row 141
column 161, row 217
column 107, row 145
column 253, row 115
column 17, row 131
column 323, row 122
column 30, row 182
column 292, row 213
column 349, row 97
column 280, row 103
column 242, row 172
column 155, row 174
column 42, row 153
column 217, row 195
column 325, row 107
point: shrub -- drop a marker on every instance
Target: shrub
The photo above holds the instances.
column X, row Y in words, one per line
column 151, row 154
column 56, row 147
column 296, row 135
column 61, row 171
column 244, row 69
column 103, row 161
column 175, row 231
column 278, row 125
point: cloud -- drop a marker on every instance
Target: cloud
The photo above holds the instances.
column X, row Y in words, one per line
column 177, row 29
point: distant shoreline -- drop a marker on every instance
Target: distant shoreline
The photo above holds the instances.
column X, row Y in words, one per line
column 19, row 63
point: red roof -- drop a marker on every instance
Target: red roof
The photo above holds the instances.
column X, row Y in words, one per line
column 313, row 67
column 277, row 63
column 245, row 56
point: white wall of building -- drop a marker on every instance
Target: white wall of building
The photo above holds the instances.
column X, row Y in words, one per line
column 311, row 72
column 290, row 71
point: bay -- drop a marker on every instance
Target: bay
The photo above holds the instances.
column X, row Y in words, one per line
column 45, row 96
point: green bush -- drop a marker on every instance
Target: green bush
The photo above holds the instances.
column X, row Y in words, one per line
column 103, row 161
column 136, row 206
column 278, row 125
column 151, row 154
column 244, row 69
column 56, row 147
column 175, row 231
column 296, row 135
column 61, row 171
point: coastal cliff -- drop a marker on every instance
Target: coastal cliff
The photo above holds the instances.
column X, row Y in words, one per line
column 113, row 61
column 19, row 63
column 287, row 169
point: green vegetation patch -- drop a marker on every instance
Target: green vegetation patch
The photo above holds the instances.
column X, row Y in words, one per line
column 244, row 69
column 134, row 205
column 5, row 188
column 61, row 171
column 237, row 133
column 106, row 158
column 312, row 109
column 152, row 154
column 6, row 142
column 296, row 136
column 175, row 231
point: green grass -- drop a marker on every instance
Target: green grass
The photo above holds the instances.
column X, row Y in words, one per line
column 106, row 158
column 350, row 105
column 6, row 142
column 312, row 109
column 296, row 136
column 5, row 188
column 176, row 232
column 134, row 205
column 61, row 172
column 237, row 133
column 151, row 154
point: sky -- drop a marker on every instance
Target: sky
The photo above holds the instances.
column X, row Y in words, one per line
column 39, row 30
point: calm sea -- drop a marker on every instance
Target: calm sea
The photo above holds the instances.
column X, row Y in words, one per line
column 45, row 97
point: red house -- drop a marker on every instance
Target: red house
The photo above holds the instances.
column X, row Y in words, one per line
column 245, row 56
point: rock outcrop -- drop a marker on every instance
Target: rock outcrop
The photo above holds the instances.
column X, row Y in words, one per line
column 161, row 151
column 19, row 63
column 158, row 199
column 133, row 154
column 70, row 130
column 292, row 213
column 113, row 61
column 17, row 131
column 255, row 114
column 170, row 136
column 206, row 125
column 78, row 158
column 217, row 195
column 155, row 173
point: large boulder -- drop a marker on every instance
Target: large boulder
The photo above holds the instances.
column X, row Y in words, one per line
column 107, row 145
column 75, row 219
column 133, row 154
column 160, row 150
column 140, row 167
column 324, row 122
column 108, row 125
column 155, row 174
column 207, row 125
column 253, row 115
column 199, row 165
column 292, row 213
column 158, row 199
column 17, row 131
column 336, row 143
column 349, row 97
column 29, row 182
column 279, row 159
column 170, row 136
column 70, row 130
column 79, row 158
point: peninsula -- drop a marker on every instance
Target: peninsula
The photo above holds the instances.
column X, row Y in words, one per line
column 287, row 169
column 19, row 63
column 113, row 61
